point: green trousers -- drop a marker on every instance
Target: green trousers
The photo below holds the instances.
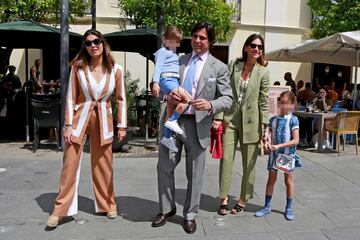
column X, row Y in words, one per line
column 249, row 153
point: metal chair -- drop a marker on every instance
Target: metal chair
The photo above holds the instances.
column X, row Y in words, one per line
column 46, row 114
column 344, row 123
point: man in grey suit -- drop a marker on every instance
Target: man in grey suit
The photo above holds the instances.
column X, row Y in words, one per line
column 211, row 91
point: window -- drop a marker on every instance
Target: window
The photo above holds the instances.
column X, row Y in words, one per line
column 237, row 7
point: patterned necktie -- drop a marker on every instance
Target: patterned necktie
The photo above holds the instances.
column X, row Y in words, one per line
column 188, row 83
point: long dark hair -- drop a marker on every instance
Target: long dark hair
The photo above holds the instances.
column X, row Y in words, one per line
column 83, row 58
column 261, row 59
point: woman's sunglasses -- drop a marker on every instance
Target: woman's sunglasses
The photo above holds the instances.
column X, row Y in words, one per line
column 253, row 46
column 96, row 42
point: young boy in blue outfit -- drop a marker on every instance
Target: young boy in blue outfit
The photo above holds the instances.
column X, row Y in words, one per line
column 284, row 138
column 166, row 73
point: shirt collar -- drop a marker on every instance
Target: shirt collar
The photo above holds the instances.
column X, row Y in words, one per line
column 202, row 56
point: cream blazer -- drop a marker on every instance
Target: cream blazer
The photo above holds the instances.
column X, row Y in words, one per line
column 80, row 101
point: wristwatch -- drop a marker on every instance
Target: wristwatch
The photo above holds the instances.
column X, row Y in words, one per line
column 66, row 126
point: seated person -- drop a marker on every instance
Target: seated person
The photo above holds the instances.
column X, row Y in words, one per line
column 306, row 95
column 322, row 102
column 331, row 94
column 356, row 97
column 276, row 83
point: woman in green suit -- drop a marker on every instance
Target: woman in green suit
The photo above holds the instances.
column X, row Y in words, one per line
column 246, row 121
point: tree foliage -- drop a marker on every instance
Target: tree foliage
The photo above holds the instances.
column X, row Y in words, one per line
column 181, row 13
column 332, row 16
column 38, row 10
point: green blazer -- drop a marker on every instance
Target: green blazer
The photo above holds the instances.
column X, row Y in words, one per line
column 254, row 110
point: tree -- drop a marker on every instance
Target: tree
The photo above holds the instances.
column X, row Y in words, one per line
column 181, row 13
column 39, row 10
column 36, row 10
column 332, row 16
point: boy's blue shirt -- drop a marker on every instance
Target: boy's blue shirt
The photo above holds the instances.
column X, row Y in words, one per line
column 166, row 61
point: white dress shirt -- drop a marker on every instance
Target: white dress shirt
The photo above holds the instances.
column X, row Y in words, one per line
column 199, row 67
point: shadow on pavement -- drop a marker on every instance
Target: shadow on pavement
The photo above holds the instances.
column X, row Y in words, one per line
column 137, row 209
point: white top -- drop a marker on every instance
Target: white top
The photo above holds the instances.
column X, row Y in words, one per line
column 199, row 67
column 97, row 88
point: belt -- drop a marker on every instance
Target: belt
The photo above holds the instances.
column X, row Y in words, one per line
column 170, row 74
column 187, row 115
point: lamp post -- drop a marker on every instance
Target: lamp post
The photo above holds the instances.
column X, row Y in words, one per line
column 64, row 59
column 93, row 14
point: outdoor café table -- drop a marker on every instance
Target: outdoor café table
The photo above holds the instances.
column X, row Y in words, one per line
column 317, row 115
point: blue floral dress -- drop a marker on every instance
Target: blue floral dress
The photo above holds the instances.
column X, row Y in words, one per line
column 281, row 128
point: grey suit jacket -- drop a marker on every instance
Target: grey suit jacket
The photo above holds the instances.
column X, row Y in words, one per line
column 214, row 86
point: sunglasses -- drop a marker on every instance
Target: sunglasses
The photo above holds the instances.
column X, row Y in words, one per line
column 253, row 46
column 96, row 42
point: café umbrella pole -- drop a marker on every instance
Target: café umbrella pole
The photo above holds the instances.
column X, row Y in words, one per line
column 146, row 97
column 27, row 94
column 356, row 75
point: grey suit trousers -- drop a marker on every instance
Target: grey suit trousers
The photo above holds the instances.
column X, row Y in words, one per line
column 195, row 163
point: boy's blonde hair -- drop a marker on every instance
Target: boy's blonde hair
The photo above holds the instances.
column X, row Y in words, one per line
column 173, row 32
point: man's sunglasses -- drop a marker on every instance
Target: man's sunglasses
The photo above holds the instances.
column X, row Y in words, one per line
column 96, row 42
column 253, row 46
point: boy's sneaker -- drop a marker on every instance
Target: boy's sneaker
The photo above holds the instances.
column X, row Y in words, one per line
column 173, row 125
column 169, row 143
column 263, row 212
column 289, row 214
column 327, row 144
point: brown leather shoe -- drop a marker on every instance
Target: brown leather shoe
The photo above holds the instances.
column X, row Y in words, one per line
column 189, row 226
column 161, row 219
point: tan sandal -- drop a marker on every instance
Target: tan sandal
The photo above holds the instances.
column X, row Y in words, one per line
column 53, row 221
column 112, row 214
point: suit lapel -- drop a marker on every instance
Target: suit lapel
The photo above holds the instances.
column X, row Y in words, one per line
column 253, row 81
column 237, row 73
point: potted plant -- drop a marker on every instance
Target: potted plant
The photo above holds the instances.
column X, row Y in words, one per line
column 131, row 87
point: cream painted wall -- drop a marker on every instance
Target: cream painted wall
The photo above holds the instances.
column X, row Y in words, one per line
column 107, row 8
column 252, row 12
column 281, row 22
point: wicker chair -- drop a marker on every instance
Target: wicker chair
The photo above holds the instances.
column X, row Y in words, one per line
column 342, row 124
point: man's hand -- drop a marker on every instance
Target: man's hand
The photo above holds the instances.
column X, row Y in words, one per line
column 174, row 98
column 201, row 104
column 155, row 89
column 121, row 134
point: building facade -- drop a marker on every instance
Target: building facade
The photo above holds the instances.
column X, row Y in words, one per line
column 281, row 22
